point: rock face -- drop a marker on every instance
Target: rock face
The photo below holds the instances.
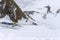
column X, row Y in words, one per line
column 12, row 10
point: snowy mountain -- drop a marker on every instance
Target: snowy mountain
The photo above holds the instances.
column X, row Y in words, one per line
column 47, row 29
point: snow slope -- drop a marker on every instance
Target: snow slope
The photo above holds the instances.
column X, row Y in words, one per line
column 47, row 29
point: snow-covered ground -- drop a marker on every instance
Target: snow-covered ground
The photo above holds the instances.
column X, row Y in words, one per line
column 47, row 29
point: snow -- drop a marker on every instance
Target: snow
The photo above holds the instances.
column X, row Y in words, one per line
column 47, row 29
